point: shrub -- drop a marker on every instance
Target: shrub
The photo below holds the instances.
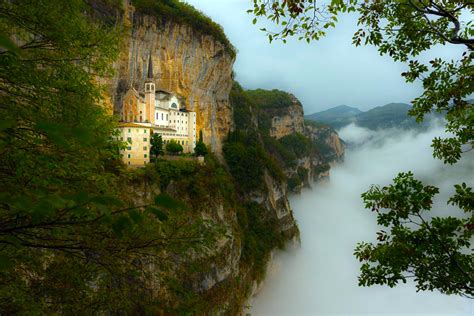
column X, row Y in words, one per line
column 261, row 235
column 174, row 147
column 173, row 170
column 200, row 149
column 243, row 106
column 267, row 99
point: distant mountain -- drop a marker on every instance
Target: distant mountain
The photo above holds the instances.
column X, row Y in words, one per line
column 386, row 116
column 335, row 116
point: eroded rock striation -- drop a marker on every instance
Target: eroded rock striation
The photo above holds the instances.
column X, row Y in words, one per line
column 195, row 66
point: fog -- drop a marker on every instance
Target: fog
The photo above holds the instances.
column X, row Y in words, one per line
column 320, row 277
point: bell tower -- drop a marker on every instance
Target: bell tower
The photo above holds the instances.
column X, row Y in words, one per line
column 149, row 93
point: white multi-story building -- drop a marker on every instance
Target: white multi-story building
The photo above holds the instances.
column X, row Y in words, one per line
column 158, row 112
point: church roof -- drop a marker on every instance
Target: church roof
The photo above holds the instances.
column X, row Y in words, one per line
column 150, row 68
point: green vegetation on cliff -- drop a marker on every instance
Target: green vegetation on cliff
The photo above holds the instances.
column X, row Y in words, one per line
column 273, row 99
column 79, row 232
column 184, row 13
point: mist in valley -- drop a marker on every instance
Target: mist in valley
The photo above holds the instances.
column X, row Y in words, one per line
column 320, row 277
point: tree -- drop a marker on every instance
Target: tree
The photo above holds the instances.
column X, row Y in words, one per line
column 174, row 147
column 435, row 252
column 200, row 149
column 70, row 239
column 156, row 142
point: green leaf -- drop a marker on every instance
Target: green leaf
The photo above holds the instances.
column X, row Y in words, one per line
column 106, row 200
column 162, row 216
column 166, row 201
column 5, row 263
column 6, row 123
column 7, row 43
column 120, row 225
column 135, row 216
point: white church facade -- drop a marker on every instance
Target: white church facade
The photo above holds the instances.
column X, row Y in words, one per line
column 149, row 112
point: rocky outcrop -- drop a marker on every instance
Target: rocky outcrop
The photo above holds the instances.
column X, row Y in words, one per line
column 287, row 120
column 331, row 147
column 192, row 65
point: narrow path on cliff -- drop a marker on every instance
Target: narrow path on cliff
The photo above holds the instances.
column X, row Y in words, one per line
column 320, row 278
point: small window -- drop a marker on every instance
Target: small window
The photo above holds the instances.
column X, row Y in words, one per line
column 144, row 147
column 162, row 116
column 145, row 139
column 129, row 162
column 166, row 116
column 129, row 148
column 129, row 155
column 156, row 115
column 129, row 139
column 129, row 130
column 144, row 131
column 144, row 155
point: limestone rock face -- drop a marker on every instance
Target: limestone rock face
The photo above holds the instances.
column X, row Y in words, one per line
column 328, row 136
column 288, row 120
column 194, row 66
column 336, row 144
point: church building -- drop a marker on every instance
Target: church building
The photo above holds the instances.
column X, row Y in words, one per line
column 154, row 111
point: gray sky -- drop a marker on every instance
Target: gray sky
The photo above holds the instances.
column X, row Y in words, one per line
column 321, row 74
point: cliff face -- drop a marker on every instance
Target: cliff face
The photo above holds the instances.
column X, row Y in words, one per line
column 288, row 120
column 285, row 122
column 331, row 146
column 192, row 65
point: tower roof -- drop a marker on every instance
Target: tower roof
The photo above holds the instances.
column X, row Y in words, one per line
column 150, row 68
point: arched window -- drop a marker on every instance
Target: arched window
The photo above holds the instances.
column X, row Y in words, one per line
column 174, row 106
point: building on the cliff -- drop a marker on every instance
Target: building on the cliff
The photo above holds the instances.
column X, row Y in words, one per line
column 151, row 111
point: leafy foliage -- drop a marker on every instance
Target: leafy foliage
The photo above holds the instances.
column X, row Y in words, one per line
column 200, row 149
column 273, row 99
column 434, row 251
column 156, row 142
column 71, row 237
column 262, row 234
column 184, row 13
column 246, row 160
column 174, row 147
column 243, row 106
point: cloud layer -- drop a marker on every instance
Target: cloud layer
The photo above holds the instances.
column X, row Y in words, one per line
column 320, row 278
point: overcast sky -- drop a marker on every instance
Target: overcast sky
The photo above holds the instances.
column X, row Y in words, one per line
column 321, row 74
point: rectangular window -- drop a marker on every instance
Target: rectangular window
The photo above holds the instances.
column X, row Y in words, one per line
column 129, row 155
column 129, row 139
column 129, row 148
column 156, row 115
column 129, row 130
column 162, row 115
column 145, row 139
column 144, row 155
column 144, row 148
column 166, row 116
column 144, row 131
